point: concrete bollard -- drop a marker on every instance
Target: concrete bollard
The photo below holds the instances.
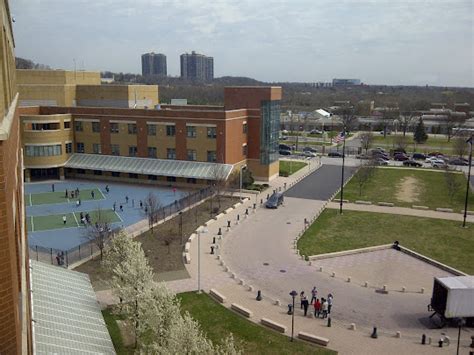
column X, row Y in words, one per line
column 277, row 303
column 349, row 279
column 398, row 335
column 309, row 263
column 320, row 269
column 404, row 289
column 384, row 287
column 250, row 288
column 232, row 275
column 333, row 274
column 241, row 282
column 366, row 284
column 352, row 326
column 302, row 257
column 222, row 262
column 422, row 290
column 226, row 269
column 218, row 257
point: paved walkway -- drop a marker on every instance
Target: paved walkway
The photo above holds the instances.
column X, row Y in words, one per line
column 402, row 211
column 266, row 237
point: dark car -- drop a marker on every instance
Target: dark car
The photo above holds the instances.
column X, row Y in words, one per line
column 436, row 154
column 381, row 155
column 412, row 162
column 380, row 161
column 400, row 157
column 458, row 161
column 310, row 149
column 284, row 147
column 335, row 155
column 419, row 156
column 275, row 200
column 399, row 151
column 284, row 152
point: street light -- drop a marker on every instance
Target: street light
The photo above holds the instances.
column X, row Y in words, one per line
column 240, row 192
column 468, row 181
column 181, row 226
column 293, row 295
column 342, row 171
column 199, row 261
column 460, row 322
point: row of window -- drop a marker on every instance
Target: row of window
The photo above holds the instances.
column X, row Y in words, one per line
column 135, row 176
column 43, row 150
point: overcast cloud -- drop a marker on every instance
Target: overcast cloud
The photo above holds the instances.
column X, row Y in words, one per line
column 380, row 42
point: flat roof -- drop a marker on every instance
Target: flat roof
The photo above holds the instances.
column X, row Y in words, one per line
column 66, row 315
column 457, row 282
column 150, row 166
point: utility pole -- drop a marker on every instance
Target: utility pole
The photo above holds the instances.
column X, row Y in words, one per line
column 342, row 171
column 468, row 181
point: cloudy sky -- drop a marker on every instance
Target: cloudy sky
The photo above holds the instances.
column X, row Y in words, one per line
column 380, row 42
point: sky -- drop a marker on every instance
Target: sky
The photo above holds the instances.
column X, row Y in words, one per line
column 380, row 42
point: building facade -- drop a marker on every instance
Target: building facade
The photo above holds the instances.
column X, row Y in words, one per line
column 345, row 82
column 154, row 64
column 242, row 132
column 15, row 319
column 197, row 67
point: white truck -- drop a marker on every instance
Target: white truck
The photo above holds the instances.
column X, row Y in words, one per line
column 453, row 297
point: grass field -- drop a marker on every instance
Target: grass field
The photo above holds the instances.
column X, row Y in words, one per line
column 49, row 222
column 249, row 337
column 45, row 198
column 407, row 187
column 443, row 240
column 432, row 144
column 288, row 168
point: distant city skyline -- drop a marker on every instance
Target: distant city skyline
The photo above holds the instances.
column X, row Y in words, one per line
column 380, row 42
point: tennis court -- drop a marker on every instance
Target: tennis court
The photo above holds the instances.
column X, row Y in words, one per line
column 45, row 198
column 73, row 220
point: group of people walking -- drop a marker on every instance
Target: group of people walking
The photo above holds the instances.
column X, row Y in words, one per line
column 322, row 306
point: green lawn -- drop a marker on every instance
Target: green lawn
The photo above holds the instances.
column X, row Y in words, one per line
column 217, row 322
column 41, row 223
column 45, row 198
column 288, row 167
column 114, row 331
column 430, row 189
column 443, row 240
column 432, row 144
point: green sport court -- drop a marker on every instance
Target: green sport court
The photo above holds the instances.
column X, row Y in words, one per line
column 73, row 220
column 45, row 198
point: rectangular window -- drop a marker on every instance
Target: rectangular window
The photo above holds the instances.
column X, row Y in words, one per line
column 78, row 126
column 114, row 128
column 191, row 180
column 80, row 147
column 191, row 154
column 151, row 129
column 68, row 148
column 151, row 152
column 133, row 176
column 132, row 128
column 45, row 126
column 67, row 124
column 115, row 148
column 97, row 172
column 171, row 178
column 43, row 150
column 152, row 177
column 211, row 132
column 80, row 171
column 115, row 174
column 170, row 153
column 132, row 151
column 211, row 156
column 244, row 128
column 96, row 127
column 191, row 131
column 170, row 131
column 244, row 150
column 269, row 131
column 96, row 148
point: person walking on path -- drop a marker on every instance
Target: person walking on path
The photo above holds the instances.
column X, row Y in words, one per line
column 77, row 191
column 324, row 308
column 64, row 219
column 314, row 294
column 93, row 194
column 141, row 204
column 52, row 187
column 121, row 208
column 78, row 203
column 301, row 299
column 114, row 206
column 107, row 188
column 305, row 305
column 126, row 200
column 317, row 308
column 330, row 297
column 66, row 195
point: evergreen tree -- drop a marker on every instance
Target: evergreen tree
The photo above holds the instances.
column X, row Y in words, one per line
column 420, row 135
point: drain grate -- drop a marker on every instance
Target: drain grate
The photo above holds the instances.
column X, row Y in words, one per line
column 282, row 270
column 266, row 264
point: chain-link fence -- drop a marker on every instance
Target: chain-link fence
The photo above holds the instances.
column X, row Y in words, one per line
column 90, row 247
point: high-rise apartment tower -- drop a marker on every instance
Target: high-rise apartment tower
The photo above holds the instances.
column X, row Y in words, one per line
column 197, row 66
column 154, row 64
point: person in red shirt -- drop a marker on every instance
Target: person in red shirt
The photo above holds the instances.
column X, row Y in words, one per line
column 317, row 308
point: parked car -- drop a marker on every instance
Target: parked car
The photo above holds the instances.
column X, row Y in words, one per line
column 363, row 156
column 419, row 156
column 388, row 132
column 315, row 131
column 436, row 154
column 283, row 138
column 284, row 152
column 310, row 149
column 432, row 159
column 380, row 161
column 275, row 200
column 380, row 155
column 309, row 154
column 458, row 161
column 399, row 150
column 438, row 163
column 335, row 155
column 284, row 147
column 412, row 162
column 400, row 157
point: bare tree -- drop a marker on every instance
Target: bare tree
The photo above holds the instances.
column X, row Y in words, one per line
column 388, row 117
column 400, row 142
column 168, row 240
column 453, row 184
column 98, row 228
column 218, row 182
column 364, row 173
column 452, row 121
column 460, row 146
column 366, row 140
column 151, row 209
column 407, row 115
column 348, row 118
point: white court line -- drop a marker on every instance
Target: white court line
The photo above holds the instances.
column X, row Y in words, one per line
column 74, row 214
column 118, row 216
column 103, row 197
column 32, row 224
column 31, row 203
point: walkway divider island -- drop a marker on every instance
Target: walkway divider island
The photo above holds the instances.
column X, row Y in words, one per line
column 350, row 252
column 242, row 310
column 218, row 296
column 313, row 338
column 274, row 325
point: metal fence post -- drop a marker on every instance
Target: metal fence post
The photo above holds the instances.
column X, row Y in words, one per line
column 91, row 248
column 79, row 252
column 51, row 252
column 67, row 261
column 36, row 247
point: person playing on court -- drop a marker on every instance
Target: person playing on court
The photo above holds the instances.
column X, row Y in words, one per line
column 64, row 219
column 66, row 194
column 92, row 194
column 126, row 199
column 107, row 188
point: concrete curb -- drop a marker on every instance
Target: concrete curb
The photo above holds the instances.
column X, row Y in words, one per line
column 350, row 252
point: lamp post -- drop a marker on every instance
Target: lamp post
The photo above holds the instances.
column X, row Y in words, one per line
column 240, row 185
column 342, row 171
column 293, row 295
column 199, row 261
column 468, row 181
column 460, row 322
column 181, row 226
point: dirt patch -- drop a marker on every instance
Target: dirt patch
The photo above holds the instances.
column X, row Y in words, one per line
column 126, row 331
column 163, row 247
column 407, row 190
